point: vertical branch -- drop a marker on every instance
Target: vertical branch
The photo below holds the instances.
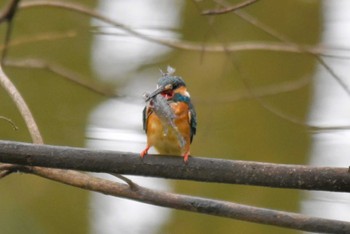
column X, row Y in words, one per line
column 7, row 15
column 9, row 11
column 23, row 108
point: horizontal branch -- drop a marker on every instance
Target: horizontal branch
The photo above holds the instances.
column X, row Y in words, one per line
column 195, row 204
column 171, row 167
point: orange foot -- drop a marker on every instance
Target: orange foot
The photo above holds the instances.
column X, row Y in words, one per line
column 145, row 151
column 186, row 156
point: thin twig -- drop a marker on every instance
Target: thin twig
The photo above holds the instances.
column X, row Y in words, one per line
column 23, row 108
column 270, row 31
column 63, row 72
column 229, row 8
column 263, row 91
column 48, row 36
column 14, row 126
column 7, row 16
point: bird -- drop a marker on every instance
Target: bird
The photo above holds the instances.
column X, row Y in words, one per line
column 171, row 131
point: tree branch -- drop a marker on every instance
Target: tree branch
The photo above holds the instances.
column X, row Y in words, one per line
column 198, row 169
column 193, row 204
column 185, row 45
column 270, row 31
column 47, row 36
column 210, row 170
column 22, row 106
column 9, row 12
column 69, row 75
column 7, row 16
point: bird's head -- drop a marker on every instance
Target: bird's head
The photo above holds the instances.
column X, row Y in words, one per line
column 168, row 85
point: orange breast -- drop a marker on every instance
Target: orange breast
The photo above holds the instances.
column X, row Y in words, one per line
column 169, row 143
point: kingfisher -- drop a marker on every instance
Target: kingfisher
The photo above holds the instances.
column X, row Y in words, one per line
column 174, row 136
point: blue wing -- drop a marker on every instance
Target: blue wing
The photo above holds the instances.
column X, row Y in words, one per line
column 193, row 120
column 145, row 115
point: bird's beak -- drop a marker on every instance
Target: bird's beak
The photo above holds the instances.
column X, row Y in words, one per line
column 158, row 91
column 155, row 93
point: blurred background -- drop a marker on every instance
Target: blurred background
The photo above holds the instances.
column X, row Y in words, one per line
column 247, row 103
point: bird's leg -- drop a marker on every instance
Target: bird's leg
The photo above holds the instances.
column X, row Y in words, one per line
column 145, row 151
column 187, row 153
